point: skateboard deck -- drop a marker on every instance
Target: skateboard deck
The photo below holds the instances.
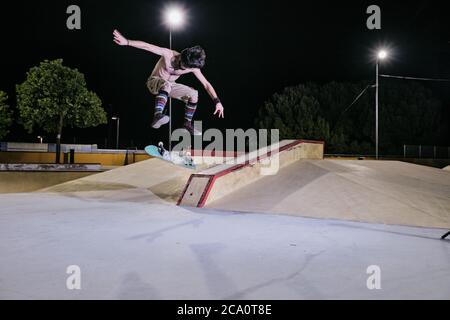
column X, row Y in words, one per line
column 173, row 157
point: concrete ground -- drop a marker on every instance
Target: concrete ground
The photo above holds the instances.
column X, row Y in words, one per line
column 122, row 229
column 149, row 249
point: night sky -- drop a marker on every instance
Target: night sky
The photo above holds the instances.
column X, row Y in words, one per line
column 254, row 49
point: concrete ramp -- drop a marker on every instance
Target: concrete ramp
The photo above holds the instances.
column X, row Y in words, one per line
column 292, row 179
column 138, row 182
column 387, row 192
column 215, row 183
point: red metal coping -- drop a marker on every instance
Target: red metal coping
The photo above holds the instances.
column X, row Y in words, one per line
column 215, row 153
column 213, row 177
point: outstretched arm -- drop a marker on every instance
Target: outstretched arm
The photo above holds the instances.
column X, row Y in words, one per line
column 122, row 41
column 212, row 93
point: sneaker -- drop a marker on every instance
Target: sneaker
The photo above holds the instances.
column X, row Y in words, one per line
column 189, row 127
column 160, row 120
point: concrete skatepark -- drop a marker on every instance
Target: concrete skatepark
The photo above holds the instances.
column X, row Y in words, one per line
column 308, row 231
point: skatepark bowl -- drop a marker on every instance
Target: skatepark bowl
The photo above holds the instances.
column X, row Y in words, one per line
column 311, row 229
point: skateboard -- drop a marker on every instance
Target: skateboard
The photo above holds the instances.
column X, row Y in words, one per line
column 182, row 159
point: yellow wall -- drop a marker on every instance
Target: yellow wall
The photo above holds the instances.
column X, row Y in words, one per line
column 105, row 159
column 15, row 182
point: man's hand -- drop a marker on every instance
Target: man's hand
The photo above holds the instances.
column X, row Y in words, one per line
column 119, row 39
column 219, row 110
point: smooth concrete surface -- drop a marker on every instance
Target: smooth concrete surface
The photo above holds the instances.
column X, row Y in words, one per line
column 130, row 249
column 157, row 176
column 122, row 229
column 387, row 192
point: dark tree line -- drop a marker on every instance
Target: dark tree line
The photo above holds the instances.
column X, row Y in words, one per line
column 409, row 113
column 5, row 115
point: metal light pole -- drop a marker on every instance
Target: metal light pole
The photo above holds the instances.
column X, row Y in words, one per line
column 174, row 19
column 382, row 54
column 117, row 129
column 376, row 111
column 170, row 98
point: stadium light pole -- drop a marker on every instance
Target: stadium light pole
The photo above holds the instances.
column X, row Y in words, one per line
column 174, row 18
column 382, row 54
column 117, row 133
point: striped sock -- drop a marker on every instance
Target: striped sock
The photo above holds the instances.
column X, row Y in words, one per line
column 190, row 111
column 161, row 101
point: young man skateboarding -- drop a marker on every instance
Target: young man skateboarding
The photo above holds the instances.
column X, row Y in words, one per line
column 162, row 83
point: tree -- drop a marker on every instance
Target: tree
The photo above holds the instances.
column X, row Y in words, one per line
column 409, row 114
column 296, row 113
column 351, row 126
column 5, row 115
column 53, row 97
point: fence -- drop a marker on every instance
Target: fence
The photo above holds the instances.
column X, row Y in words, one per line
column 426, row 152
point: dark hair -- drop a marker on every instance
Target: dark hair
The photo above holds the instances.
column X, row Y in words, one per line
column 194, row 57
